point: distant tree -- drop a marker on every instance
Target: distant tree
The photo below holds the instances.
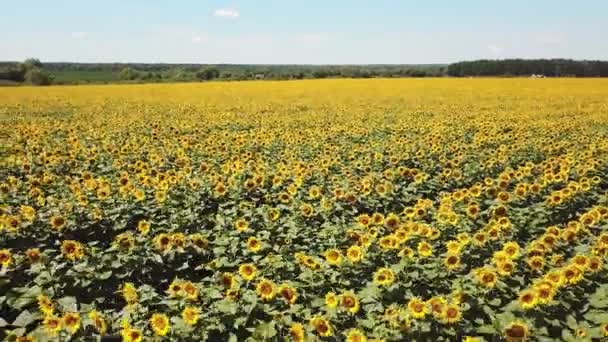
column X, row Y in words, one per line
column 32, row 63
column 129, row 74
column 207, row 73
column 37, row 76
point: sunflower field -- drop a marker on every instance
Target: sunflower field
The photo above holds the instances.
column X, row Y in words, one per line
column 357, row 210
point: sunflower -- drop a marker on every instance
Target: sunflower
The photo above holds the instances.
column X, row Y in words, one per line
column 162, row 242
column 438, row 305
column 45, row 305
column 417, row 308
column 160, row 324
column 595, row 264
column 273, row 214
column 572, row 274
column 452, row 262
column 473, row 210
column 72, row 250
column 124, row 241
column 480, row 239
column 528, row 299
column 98, row 322
column 349, row 302
column 71, row 321
column 406, row 253
column 556, row 278
column 544, row 291
column 321, row 326
column 516, row 332
column 52, row 324
column 604, row 329
column 198, row 241
column 424, row 249
column 452, row 315
column 391, row 222
column 191, row 315
column 228, row 280
column 354, row 254
column 57, row 222
column 487, row 277
column 307, row 210
column 296, row 331
column 27, row 213
column 190, row 290
column 581, row 261
column 247, row 271
column 536, row 263
column 143, row 226
column 131, row 335
column 333, row 257
column 241, row 225
column 471, row 339
column 178, row 240
column 265, row 289
column 505, row 268
column 384, row 277
column 254, row 245
column 364, row 220
column 6, row 258
column 288, row 293
column 355, row 335
column 129, row 293
column 331, row 300
column 378, row 219
column 453, row 246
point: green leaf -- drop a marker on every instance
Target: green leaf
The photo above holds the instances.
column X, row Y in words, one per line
column 571, row 322
column 104, row 275
column 265, row 331
column 68, row 304
column 486, row 329
column 3, row 323
column 24, row 319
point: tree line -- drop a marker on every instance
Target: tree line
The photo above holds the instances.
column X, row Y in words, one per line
column 528, row 67
column 32, row 71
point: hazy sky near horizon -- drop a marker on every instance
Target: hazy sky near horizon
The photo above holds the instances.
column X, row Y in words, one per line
column 301, row 32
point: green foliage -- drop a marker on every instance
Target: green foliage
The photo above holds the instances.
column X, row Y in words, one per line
column 527, row 67
column 37, row 76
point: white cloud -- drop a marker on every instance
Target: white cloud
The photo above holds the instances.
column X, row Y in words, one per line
column 78, row 35
column 226, row 13
column 496, row 49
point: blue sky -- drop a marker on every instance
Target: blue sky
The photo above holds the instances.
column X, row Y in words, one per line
column 301, row 32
